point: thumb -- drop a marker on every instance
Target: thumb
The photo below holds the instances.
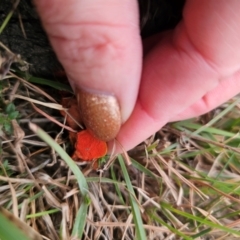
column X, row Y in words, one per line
column 99, row 45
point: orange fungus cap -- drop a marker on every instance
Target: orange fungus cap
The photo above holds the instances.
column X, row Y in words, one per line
column 88, row 147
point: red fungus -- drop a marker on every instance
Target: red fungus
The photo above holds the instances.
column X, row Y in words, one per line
column 88, row 147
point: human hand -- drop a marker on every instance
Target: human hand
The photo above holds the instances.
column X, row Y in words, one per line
column 185, row 72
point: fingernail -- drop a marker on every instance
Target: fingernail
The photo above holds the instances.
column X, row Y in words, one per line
column 100, row 114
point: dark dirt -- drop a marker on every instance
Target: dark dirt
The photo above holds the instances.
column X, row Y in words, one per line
column 35, row 48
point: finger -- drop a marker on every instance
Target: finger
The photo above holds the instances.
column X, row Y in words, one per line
column 98, row 44
column 224, row 91
column 179, row 71
column 218, row 31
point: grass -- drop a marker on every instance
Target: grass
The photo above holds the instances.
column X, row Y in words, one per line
column 181, row 183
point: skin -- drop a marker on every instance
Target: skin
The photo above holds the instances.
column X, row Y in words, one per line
column 185, row 72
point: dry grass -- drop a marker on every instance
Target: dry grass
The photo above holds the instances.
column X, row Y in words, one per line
column 182, row 183
column 185, row 179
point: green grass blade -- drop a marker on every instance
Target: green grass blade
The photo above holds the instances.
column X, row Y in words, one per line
column 141, row 168
column 104, row 180
column 12, row 230
column 44, row 81
column 50, row 83
column 40, row 214
column 80, row 220
column 195, row 126
column 8, row 230
column 140, row 231
column 82, row 183
column 200, row 220
column 218, row 117
column 6, row 20
column 172, row 229
column 202, row 233
column 113, row 175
